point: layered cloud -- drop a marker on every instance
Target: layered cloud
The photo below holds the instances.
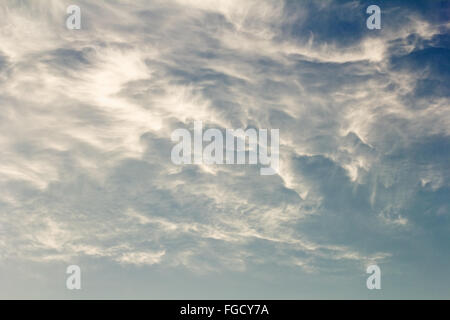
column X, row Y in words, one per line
column 87, row 115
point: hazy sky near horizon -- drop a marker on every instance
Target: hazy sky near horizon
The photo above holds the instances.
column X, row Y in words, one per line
column 86, row 176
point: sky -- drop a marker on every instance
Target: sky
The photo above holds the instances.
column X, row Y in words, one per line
column 86, row 176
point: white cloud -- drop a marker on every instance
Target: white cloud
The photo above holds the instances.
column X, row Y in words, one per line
column 86, row 121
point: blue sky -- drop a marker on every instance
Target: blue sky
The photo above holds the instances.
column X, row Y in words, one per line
column 86, row 176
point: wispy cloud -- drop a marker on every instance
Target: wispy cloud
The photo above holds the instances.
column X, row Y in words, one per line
column 86, row 118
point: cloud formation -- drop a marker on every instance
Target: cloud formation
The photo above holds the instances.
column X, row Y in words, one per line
column 87, row 114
